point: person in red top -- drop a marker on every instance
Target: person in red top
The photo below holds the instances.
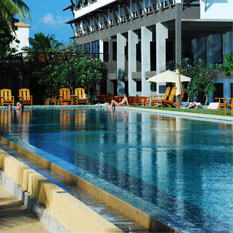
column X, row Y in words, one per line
column 123, row 101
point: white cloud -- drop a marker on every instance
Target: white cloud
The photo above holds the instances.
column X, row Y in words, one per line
column 54, row 21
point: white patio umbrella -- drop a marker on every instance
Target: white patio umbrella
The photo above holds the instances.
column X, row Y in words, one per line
column 171, row 77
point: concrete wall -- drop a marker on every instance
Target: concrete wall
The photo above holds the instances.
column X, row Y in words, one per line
column 22, row 35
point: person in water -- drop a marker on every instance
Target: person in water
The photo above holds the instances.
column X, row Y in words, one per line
column 19, row 106
column 9, row 108
column 123, row 101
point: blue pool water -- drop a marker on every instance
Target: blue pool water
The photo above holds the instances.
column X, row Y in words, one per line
column 177, row 169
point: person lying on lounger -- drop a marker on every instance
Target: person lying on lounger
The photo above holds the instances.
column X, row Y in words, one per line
column 124, row 101
column 193, row 105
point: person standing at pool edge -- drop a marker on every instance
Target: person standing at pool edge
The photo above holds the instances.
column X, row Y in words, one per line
column 124, row 101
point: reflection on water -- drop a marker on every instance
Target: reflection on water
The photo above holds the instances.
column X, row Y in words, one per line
column 181, row 165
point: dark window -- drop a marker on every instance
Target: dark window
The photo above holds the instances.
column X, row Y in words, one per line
column 103, row 87
column 153, row 86
column 84, row 2
column 170, row 51
column 106, row 52
column 231, row 90
column 153, row 55
column 114, row 47
column 115, row 87
column 126, row 88
column 139, row 85
column 162, row 89
column 219, row 91
column 138, row 54
column 126, row 52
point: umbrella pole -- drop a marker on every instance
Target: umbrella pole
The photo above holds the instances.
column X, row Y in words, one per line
column 178, row 100
column 178, row 84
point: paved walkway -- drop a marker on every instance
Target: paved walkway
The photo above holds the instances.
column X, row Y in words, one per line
column 15, row 218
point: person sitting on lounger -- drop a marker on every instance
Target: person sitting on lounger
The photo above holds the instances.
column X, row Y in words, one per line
column 124, row 101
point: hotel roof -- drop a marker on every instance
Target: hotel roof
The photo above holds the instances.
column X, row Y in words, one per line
column 19, row 24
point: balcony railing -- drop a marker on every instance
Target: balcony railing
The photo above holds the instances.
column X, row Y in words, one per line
column 46, row 57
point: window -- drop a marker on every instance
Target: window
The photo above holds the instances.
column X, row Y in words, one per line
column 219, row 91
column 95, row 49
column 84, row 2
column 114, row 47
column 106, row 48
column 138, row 53
column 231, row 90
column 214, row 49
column 87, row 49
column 139, row 85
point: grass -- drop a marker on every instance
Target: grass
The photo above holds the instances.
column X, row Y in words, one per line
column 191, row 110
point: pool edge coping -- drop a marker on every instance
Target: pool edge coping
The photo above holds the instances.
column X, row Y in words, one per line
column 182, row 114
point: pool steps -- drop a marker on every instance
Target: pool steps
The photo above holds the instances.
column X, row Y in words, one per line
column 64, row 206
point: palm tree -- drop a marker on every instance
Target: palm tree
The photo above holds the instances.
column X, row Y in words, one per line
column 10, row 8
column 42, row 45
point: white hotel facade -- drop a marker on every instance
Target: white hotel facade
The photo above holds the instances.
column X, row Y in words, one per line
column 136, row 38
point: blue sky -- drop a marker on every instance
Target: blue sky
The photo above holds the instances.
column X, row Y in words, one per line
column 47, row 17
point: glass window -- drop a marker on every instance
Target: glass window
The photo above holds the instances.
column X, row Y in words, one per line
column 199, row 48
column 95, row 49
column 84, row 2
column 227, row 44
column 214, row 49
column 87, row 49
column 132, row 8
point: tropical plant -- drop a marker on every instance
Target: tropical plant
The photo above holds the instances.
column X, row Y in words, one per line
column 6, row 38
column 202, row 82
column 229, row 65
column 9, row 10
column 41, row 45
column 71, row 68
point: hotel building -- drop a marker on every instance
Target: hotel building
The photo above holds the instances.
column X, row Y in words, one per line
column 22, row 35
column 136, row 38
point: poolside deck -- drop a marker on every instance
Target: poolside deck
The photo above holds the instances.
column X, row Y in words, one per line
column 15, row 217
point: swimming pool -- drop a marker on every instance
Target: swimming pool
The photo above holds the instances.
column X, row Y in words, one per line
column 177, row 169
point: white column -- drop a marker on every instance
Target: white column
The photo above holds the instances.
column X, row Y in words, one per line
column 132, row 61
column 121, row 43
column 101, row 50
column 110, row 86
column 161, row 36
column 146, row 38
column 101, row 57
